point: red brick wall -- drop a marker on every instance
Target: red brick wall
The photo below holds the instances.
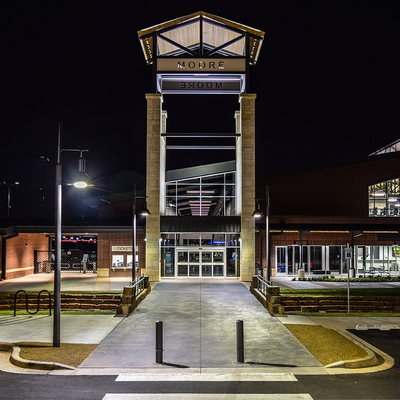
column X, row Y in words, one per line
column 329, row 191
column 21, row 251
column 104, row 254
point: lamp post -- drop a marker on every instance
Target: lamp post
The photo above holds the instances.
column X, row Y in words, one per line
column 257, row 214
column 9, row 194
column 144, row 212
column 80, row 183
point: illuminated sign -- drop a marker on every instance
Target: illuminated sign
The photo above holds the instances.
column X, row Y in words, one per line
column 147, row 46
column 254, row 49
column 230, row 84
column 201, row 65
column 121, row 248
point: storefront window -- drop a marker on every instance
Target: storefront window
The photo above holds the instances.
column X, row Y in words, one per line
column 168, row 261
column 232, row 262
column 384, row 199
column 335, row 259
column 118, row 260
column 200, row 255
column 212, row 195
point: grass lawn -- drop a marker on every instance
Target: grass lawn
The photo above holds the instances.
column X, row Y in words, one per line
column 391, row 292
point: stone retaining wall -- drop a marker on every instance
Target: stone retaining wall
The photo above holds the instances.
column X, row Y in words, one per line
column 69, row 302
column 271, row 300
column 330, row 304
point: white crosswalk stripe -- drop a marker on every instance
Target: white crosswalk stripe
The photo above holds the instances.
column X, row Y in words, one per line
column 205, row 396
column 207, row 377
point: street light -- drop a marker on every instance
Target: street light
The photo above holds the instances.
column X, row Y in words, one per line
column 144, row 212
column 82, row 182
column 9, row 194
column 257, row 214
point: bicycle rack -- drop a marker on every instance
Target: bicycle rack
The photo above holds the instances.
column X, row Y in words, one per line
column 26, row 298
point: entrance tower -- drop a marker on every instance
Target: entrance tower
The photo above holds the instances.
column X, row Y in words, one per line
column 201, row 221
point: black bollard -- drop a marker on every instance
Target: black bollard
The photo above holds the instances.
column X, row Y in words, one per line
column 240, row 341
column 159, row 342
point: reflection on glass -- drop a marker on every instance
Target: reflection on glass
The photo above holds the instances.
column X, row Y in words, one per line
column 194, row 257
column 218, row 257
column 206, row 270
column 218, row 270
column 182, row 270
column 194, row 270
column 182, row 256
column 206, row 257
column 232, row 263
column 169, row 266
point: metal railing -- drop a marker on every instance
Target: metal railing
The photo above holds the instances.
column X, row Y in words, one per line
column 262, row 284
column 139, row 283
column 26, row 300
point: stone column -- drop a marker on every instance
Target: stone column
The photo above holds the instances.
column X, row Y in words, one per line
column 154, row 101
column 247, row 112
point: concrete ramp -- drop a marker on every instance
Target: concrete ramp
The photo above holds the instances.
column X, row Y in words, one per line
column 199, row 319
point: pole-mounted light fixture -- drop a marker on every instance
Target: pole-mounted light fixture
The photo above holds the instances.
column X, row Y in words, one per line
column 257, row 212
column 144, row 212
column 80, row 183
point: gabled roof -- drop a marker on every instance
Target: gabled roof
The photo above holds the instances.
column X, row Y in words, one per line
column 195, row 16
column 390, row 148
column 197, row 34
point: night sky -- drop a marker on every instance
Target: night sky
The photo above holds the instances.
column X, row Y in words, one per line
column 326, row 82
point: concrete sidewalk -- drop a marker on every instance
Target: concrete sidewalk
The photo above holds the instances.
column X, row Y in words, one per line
column 287, row 282
column 199, row 317
column 69, row 282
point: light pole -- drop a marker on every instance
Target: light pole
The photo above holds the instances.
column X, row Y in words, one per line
column 257, row 214
column 81, row 182
column 9, row 194
column 144, row 212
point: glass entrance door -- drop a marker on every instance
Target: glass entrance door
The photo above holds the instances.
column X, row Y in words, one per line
column 195, row 263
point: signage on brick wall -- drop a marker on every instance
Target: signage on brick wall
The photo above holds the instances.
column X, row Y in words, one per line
column 122, row 248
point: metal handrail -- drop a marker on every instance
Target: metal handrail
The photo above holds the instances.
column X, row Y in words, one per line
column 262, row 284
column 139, row 283
column 26, row 299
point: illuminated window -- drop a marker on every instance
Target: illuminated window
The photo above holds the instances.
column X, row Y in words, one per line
column 212, row 195
column 384, row 199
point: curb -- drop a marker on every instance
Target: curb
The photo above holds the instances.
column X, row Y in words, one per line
column 16, row 360
column 371, row 360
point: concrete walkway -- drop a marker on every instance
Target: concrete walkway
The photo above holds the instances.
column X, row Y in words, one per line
column 69, row 282
column 287, row 282
column 199, row 319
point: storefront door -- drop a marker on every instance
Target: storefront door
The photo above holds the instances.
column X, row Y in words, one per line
column 196, row 263
column 315, row 259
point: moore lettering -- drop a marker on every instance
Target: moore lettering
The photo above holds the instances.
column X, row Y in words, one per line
column 210, row 65
column 201, row 85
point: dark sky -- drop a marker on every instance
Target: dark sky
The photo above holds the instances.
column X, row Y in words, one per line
column 326, row 81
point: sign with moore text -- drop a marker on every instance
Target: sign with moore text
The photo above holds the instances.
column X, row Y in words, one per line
column 200, row 83
column 210, row 65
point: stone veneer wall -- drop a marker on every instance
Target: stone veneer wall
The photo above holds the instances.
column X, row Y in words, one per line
column 153, row 168
column 330, row 304
column 69, row 302
column 247, row 111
